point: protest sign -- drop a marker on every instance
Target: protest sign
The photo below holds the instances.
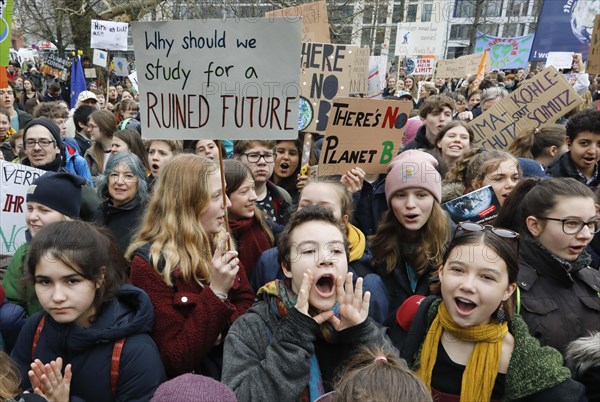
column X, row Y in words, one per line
column 534, row 104
column 218, row 79
column 56, row 62
column 362, row 132
column 479, row 206
column 325, row 75
column 121, row 68
column 89, row 72
column 359, row 71
column 315, row 21
column 109, row 35
column 505, row 53
column 6, row 14
column 16, row 179
column 560, row 60
column 593, row 62
column 424, row 65
column 100, row 57
column 418, row 38
column 55, row 65
column 134, row 81
column 458, row 68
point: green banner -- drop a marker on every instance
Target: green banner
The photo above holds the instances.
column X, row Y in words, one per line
column 6, row 13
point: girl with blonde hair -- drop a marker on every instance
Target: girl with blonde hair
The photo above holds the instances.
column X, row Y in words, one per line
column 180, row 258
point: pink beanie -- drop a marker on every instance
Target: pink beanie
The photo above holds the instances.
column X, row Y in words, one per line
column 413, row 169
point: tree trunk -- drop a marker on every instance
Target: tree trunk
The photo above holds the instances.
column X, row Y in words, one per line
column 475, row 26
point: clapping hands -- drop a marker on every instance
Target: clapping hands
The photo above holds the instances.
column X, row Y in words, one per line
column 47, row 380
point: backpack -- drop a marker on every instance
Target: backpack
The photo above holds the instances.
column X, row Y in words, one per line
column 115, row 360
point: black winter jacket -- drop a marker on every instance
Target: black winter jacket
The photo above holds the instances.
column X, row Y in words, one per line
column 89, row 350
column 563, row 167
column 122, row 221
column 558, row 301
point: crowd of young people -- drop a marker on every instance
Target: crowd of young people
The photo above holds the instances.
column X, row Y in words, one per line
column 281, row 286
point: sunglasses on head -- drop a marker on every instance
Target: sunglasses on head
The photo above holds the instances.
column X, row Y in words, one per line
column 476, row 227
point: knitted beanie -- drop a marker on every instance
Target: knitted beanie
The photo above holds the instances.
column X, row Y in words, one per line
column 191, row 388
column 413, row 169
column 58, row 191
column 49, row 124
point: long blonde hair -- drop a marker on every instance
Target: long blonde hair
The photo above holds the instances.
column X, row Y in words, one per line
column 172, row 225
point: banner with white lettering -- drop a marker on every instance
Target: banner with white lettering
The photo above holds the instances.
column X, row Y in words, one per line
column 16, row 179
column 219, row 79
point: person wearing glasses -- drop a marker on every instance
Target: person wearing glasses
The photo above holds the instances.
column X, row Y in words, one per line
column 259, row 156
column 466, row 341
column 124, row 191
column 45, row 150
column 559, row 292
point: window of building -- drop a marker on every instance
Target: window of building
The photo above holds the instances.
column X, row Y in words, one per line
column 411, row 13
column 489, row 29
column 456, row 51
column 459, row 31
column 492, row 8
column 426, row 12
column 511, row 30
column 464, row 9
column 397, row 13
column 517, row 8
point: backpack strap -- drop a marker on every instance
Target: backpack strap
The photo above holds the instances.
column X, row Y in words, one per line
column 36, row 337
column 115, row 365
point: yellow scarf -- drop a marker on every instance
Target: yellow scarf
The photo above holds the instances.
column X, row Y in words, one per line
column 9, row 133
column 482, row 364
column 357, row 241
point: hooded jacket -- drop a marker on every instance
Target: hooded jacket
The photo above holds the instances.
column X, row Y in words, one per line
column 267, row 358
column 89, row 350
column 560, row 301
column 583, row 358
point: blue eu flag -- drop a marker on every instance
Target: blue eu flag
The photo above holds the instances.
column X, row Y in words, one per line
column 77, row 80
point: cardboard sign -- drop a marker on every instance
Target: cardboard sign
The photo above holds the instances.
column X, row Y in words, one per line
column 363, row 132
column 16, row 179
column 121, row 66
column 315, row 20
column 479, row 206
column 100, row 58
column 218, row 79
column 593, row 62
column 359, row 71
column 458, row 68
column 109, row 35
column 418, row 38
column 424, row 65
column 89, row 72
column 534, row 104
column 560, row 60
column 325, row 75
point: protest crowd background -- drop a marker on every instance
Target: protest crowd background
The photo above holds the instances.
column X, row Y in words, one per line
column 209, row 220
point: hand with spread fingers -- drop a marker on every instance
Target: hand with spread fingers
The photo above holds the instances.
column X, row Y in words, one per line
column 48, row 381
column 224, row 268
column 353, row 179
column 302, row 301
column 353, row 305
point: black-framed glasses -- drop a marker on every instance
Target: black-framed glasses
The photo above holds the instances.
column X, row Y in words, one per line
column 573, row 226
column 42, row 142
column 254, row 157
column 476, row 227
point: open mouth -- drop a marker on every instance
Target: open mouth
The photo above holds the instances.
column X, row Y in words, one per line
column 325, row 285
column 284, row 165
column 464, row 305
column 155, row 166
column 411, row 217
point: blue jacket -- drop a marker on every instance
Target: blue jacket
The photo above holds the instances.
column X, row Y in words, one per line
column 89, row 350
column 75, row 164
